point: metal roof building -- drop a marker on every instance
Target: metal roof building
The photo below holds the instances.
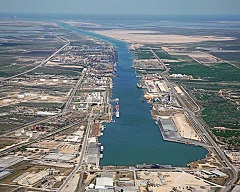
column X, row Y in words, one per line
column 218, row 173
column 59, row 157
column 104, row 183
column 168, row 125
column 4, row 174
column 9, row 161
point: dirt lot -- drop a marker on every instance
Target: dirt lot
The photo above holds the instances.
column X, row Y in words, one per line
column 62, row 147
column 177, row 180
column 7, row 142
column 209, row 162
column 151, row 37
column 184, row 128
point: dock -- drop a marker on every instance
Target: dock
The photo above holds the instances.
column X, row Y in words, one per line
column 170, row 133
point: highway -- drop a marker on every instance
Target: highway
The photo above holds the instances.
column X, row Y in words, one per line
column 160, row 60
column 81, row 157
column 197, row 107
column 203, row 133
column 74, row 91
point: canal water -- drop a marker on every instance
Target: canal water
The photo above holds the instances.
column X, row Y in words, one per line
column 134, row 138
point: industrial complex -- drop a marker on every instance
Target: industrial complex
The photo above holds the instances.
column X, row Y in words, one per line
column 54, row 112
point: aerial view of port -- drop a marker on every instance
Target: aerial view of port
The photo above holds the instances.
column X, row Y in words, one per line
column 119, row 96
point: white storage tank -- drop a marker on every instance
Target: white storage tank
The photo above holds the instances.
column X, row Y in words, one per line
column 17, row 133
column 43, row 98
column 21, row 96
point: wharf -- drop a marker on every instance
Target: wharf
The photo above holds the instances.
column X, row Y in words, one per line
column 169, row 133
column 96, row 131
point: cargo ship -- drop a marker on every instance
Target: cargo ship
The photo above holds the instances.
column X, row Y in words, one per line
column 117, row 114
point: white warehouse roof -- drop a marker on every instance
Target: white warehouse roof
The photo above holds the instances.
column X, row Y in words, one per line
column 104, row 182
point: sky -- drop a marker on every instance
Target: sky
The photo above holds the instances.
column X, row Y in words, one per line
column 155, row 7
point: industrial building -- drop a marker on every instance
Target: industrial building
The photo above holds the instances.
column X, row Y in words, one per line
column 104, row 183
column 168, row 129
column 8, row 161
column 94, row 150
column 75, row 137
column 59, row 157
column 4, row 174
column 33, row 178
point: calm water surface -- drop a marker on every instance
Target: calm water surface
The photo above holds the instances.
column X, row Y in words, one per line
column 134, row 138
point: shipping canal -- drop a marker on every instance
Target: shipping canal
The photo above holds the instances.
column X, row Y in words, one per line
column 135, row 138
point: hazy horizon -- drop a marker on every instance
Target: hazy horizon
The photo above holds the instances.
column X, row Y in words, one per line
column 122, row 7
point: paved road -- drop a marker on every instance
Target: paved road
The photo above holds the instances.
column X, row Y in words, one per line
column 82, row 154
column 203, row 133
column 197, row 107
column 74, row 90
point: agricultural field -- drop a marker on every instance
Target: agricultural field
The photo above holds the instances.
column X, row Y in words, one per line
column 143, row 54
column 23, row 45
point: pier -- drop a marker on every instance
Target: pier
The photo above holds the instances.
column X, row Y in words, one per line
column 170, row 133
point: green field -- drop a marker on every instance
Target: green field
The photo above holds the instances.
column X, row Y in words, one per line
column 56, row 71
column 220, row 113
column 232, row 137
column 164, row 55
column 217, row 72
column 143, row 54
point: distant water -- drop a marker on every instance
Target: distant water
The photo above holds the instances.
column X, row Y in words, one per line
column 134, row 138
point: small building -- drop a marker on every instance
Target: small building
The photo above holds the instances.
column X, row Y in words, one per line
column 83, row 107
column 73, row 139
column 45, row 113
column 125, row 182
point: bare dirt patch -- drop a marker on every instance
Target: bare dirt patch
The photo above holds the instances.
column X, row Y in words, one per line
column 152, row 37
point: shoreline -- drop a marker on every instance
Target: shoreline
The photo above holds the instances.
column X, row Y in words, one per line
column 105, row 38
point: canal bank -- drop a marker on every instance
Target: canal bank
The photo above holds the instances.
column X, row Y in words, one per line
column 134, row 138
